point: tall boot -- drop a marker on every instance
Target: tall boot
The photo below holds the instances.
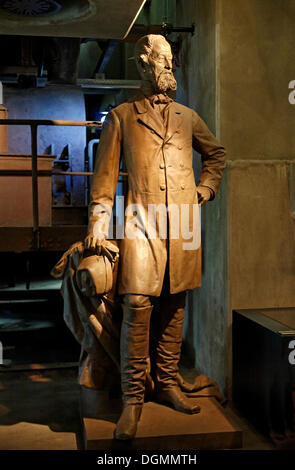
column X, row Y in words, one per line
column 168, row 327
column 134, row 351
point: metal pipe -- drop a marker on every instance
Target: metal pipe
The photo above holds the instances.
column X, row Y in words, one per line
column 108, row 83
column 50, row 173
column 34, row 145
column 81, row 173
column 90, row 166
column 90, row 152
column 45, row 122
column 181, row 29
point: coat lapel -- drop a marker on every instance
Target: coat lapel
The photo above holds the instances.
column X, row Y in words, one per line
column 154, row 121
column 174, row 121
column 150, row 119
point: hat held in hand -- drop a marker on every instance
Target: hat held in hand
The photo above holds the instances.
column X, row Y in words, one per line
column 94, row 275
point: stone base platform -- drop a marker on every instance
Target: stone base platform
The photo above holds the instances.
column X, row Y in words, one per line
column 163, row 428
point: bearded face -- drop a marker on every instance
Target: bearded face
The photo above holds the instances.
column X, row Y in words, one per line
column 166, row 81
column 158, row 68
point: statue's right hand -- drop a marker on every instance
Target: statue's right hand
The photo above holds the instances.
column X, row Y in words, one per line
column 92, row 243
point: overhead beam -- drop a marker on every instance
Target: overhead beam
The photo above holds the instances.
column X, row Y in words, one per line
column 139, row 30
column 105, row 56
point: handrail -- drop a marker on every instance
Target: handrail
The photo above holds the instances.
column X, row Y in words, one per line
column 50, row 173
column 34, row 123
column 48, row 122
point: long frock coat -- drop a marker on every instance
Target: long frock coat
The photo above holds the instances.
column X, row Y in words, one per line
column 158, row 160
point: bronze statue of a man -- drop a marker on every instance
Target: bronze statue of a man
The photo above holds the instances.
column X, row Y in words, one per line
column 155, row 136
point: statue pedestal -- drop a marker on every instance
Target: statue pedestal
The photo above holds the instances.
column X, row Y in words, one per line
column 162, row 428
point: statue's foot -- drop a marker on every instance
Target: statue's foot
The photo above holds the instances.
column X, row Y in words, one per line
column 177, row 399
column 127, row 425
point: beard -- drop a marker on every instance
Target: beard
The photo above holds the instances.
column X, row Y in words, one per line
column 166, row 81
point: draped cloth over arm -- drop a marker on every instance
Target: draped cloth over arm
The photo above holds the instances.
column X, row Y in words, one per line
column 95, row 322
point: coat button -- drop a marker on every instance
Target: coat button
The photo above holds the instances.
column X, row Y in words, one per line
column 181, row 164
column 163, row 187
column 162, row 165
column 179, row 147
column 182, row 186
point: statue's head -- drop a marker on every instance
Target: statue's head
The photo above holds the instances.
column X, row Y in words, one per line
column 153, row 58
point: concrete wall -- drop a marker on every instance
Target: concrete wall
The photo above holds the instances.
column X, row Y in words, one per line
column 235, row 72
column 205, row 334
column 257, row 127
column 262, row 248
column 257, row 57
column 196, row 78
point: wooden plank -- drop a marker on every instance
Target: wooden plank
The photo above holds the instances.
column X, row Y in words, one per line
column 59, row 238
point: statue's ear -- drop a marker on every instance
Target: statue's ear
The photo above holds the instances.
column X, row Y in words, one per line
column 142, row 61
column 142, row 64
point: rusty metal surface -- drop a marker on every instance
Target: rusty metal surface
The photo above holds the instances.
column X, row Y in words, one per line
column 59, row 238
column 16, row 239
column 3, row 130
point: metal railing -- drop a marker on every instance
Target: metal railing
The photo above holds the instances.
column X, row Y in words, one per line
column 34, row 124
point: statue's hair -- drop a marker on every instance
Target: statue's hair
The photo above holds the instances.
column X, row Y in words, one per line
column 144, row 46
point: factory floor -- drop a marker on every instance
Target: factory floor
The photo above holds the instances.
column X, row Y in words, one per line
column 39, row 410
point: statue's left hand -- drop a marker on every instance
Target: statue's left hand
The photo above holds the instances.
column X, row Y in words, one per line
column 204, row 194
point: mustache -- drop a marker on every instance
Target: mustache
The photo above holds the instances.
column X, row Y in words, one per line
column 167, row 72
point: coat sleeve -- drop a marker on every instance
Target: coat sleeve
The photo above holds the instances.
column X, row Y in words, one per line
column 105, row 178
column 212, row 154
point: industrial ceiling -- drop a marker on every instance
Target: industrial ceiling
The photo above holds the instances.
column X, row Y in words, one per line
column 69, row 18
